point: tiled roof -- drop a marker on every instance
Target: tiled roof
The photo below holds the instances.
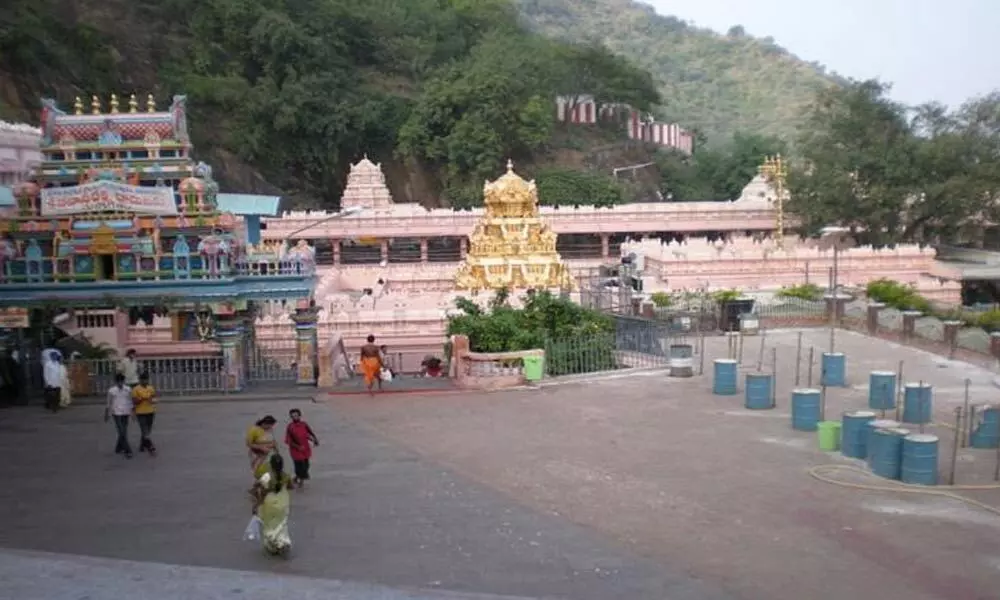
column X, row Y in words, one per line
column 249, row 204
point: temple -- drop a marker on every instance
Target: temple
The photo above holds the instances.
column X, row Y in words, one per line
column 511, row 247
column 121, row 222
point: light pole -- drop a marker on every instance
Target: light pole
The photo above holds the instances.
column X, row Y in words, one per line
column 350, row 210
column 834, row 233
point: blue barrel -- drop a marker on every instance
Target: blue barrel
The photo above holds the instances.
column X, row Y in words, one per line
column 833, row 371
column 854, row 433
column 885, row 456
column 758, row 391
column 882, row 390
column 917, row 403
column 986, row 431
column 869, row 434
column 724, row 377
column 805, row 409
column 920, row 459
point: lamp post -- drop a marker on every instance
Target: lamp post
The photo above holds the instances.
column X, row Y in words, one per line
column 834, row 233
column 775, row 171
column 350, row 210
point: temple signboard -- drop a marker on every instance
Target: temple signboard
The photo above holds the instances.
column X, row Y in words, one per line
column 14, row 318
column 107, row 196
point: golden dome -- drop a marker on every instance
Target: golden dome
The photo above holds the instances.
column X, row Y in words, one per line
column 510, row 195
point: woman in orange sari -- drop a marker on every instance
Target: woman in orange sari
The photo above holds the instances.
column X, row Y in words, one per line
column 371, row 364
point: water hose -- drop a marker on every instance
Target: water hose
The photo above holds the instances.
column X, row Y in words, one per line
column 823, row 473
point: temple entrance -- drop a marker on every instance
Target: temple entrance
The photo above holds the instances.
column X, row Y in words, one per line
column 104, row 267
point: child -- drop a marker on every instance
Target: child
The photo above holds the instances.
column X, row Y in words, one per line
column 144, row 398
column 298, row 435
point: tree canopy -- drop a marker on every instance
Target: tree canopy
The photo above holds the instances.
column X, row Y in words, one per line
column 718, row 173
column 894, row 174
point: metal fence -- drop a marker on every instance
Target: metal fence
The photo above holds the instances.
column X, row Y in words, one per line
column 271, row 360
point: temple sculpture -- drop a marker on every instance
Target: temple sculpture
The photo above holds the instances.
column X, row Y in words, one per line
column 511, row 246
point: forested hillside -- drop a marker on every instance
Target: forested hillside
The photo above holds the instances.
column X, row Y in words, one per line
column 715, row 84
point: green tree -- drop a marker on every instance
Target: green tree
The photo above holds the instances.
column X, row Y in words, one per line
column 718, row 173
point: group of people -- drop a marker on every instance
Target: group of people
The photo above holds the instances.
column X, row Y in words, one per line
column 131, row 395
column 270, row 492
column 55, row 377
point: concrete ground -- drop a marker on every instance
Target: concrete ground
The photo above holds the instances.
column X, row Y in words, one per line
column 633, row 486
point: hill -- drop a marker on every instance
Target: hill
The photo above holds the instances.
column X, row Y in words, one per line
column 716, row 84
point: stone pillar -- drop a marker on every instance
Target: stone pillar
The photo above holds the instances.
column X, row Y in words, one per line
column 874, row 310
column 423, row 250
column 305, row 318
column 335, row 244
column 910, row 323
column 230, row 331
column 605, row 245
column 951, row 332
column 648, row 310
column 835, row 306
column 459, row 348
column 995, row 344
column 463, row 247
column 385, row 250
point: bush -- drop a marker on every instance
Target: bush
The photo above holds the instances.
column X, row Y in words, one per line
column 806, row 291
column 898, row 296
column 723, row 296
column 661, row 299
column 576, row 339
column 989, row 320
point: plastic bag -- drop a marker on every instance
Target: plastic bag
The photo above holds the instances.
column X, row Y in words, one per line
column 386, row 375
column 252, row 532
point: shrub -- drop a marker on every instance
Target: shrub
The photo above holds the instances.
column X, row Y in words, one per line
column 898, row 296
column 661, row 299
column 723, row 296
column 806, row 291
column 989, row 320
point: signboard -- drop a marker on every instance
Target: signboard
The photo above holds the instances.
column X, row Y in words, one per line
column 13, row 318
column 108, row 196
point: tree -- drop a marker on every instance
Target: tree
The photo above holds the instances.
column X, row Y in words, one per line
column 716, row 174
column 892, row 174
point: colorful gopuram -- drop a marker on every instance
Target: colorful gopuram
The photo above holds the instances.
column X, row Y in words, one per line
column 511, row 247
column 119, row 220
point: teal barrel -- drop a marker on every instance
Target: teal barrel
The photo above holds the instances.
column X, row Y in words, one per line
column 885, row 454
column 920, row 459
column 724, row 377
column 805, row 409
column 833, row 369
column 681, row 360
column 854, row 433
column 986, row 430
column 882, row 390
column 870, row 429
column 757, row 389
column 917, row 401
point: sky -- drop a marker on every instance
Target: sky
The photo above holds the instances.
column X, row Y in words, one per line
column 929, row 50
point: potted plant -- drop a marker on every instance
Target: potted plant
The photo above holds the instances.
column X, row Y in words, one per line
column 431, row 366
column 84, row 356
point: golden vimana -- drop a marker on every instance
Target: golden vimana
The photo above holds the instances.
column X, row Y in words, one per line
column 511, row 246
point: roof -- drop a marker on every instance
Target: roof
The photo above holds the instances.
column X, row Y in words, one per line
column 249, row 204
column 6, row 196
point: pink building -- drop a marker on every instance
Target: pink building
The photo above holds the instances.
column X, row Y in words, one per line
column 19, row 152
column 584, row 110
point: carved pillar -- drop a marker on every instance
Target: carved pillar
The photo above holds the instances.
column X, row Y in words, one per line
column 910, row 323
column 874, row 309
column 423, row 249
column 335, row 244
column 305, row 344
column 605, row 245
column 230, row 331
column 385, row 250
column 463, row 247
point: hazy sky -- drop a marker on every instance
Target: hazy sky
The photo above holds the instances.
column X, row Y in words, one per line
column 929, row 50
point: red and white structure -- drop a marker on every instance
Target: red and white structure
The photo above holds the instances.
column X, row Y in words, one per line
column 585, row 110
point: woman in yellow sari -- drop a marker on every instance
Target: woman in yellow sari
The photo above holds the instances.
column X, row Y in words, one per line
column 272, row 505
column 261, row 445
column 371, row 364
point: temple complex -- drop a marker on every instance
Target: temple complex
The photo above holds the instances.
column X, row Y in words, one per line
column 119, row 225
column 512, row 247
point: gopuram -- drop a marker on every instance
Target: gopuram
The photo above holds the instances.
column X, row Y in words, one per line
column 120, row 225
column 511, row 247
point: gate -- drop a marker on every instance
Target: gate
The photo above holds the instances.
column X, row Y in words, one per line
column 272, row 360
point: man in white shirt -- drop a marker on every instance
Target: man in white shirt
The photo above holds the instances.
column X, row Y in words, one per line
column 52, row 375
column 129, row 367
column 119, row 407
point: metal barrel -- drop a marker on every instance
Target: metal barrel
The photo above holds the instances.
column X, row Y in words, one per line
column 854, row 433
column 882, row 390
column 986, row 429
column 885, row 455
column 681, row 360
column 833, row 369
column 757, row 390
column 724, row 377
column 917, row 400
column 805, row 409
column 920, row 459
column 870, row 429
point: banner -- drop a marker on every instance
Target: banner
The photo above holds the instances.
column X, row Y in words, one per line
column 13, row 318
column 108, row 196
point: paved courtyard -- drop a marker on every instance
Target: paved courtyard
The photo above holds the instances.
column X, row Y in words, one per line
column 633, row 486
